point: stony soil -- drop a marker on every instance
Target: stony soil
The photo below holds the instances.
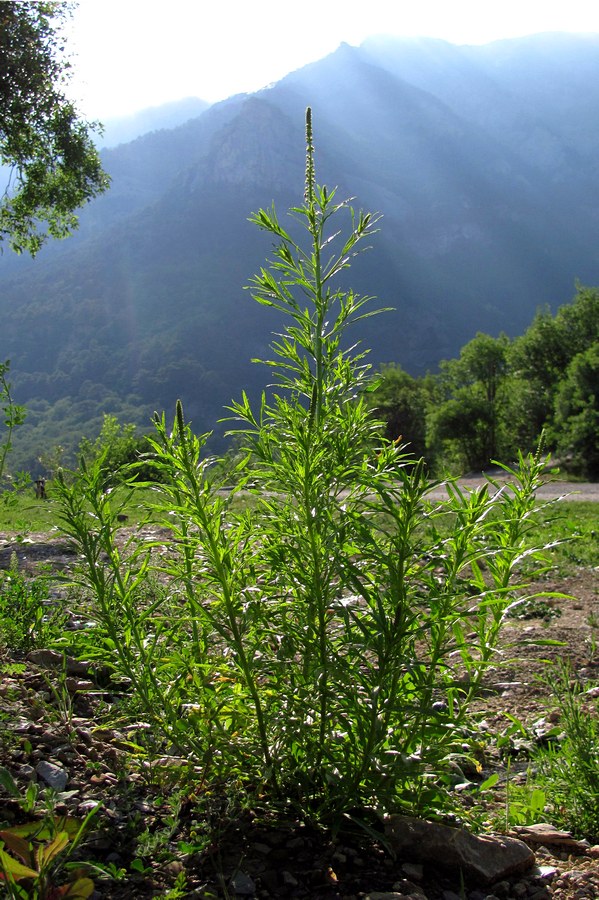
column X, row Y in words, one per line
column 261, row 855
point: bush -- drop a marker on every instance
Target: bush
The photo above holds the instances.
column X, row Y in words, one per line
column 323, row 643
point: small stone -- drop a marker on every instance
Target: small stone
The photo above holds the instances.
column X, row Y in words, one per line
column 502, row 889
column 450, row 895
column 413, row 870
column 408, row 888
column 79, row 685
column 296, row 843
column 86, row 806
column 547, row 873
column 263, row 849
column 385, row 895
column 51, row 659
column 594, row 851
column 54, row 776
column 243, row 884
column 290, row 880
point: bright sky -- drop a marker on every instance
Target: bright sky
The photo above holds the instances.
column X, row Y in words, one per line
column 131, row 54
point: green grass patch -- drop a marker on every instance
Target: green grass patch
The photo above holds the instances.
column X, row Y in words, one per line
column 573, row 527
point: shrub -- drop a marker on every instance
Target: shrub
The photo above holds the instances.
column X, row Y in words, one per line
column 323, row 643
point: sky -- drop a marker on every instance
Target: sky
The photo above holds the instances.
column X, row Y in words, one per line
column 132, row 54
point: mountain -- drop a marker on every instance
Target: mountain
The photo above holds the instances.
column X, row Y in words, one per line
column 123, row 129
column 482, row 161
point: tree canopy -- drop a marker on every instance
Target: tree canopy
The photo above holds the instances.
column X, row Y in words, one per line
column 500, row 396
column 44, row 143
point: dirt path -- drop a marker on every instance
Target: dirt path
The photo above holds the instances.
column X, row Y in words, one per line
column 584, row 491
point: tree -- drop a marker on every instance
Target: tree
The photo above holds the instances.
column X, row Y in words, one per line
column 54, row 165
column 539, row 359
column 576, row 420
column 400, row 401
column 465, row 422
column 118, row 446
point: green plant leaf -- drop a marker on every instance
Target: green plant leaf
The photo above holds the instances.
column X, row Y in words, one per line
column 8, row 783
column 14, row 868
column 82, row 888
column 47, row 853
column 489, row 782
column 18, row 845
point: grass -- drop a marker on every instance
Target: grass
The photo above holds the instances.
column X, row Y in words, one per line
column 573, row 527
column 26, row 515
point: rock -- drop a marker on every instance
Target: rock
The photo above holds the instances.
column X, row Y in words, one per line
column 263, row 849
column 546, row 834
column 54, row 776
column 385, row 895
column 51, row 659
column 242, row 884
column 546, row 873
column 86, row 806
column 408, row 889
column 413, row 871
column 484, row 858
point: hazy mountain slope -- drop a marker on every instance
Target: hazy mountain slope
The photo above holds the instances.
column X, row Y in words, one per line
column 124, row 129
column 487, row 187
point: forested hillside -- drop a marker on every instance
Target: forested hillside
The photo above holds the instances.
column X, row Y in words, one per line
column 482, row 161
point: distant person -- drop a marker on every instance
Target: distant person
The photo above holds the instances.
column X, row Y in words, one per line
column 40, row 488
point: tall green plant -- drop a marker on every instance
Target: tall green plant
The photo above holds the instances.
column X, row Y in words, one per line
column 14, row 415
column 315, row 643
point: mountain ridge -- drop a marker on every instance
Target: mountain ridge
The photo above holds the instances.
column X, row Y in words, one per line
column 489, row 211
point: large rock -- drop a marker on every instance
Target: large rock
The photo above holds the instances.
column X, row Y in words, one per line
column 486, row 858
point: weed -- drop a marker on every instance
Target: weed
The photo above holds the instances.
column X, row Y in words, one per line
column 27, row 617
column 36, row 858
column 535, row 608
column 13, row 417
column 156, row 844
column 320, row 646
column 568, row 768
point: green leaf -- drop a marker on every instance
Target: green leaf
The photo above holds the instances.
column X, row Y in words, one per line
column 46, row 854
column 14, row 868
column 489, row 782
column 82, row 888
column 9, row 784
